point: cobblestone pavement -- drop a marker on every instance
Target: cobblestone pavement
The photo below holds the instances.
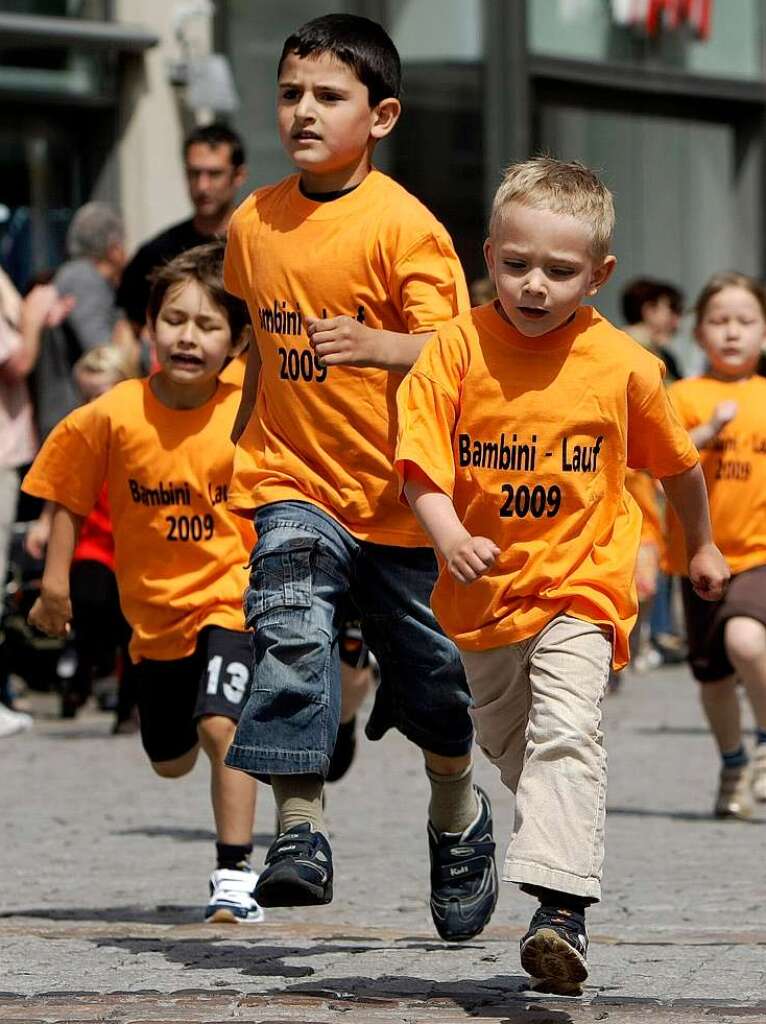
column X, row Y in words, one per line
column 104, row 871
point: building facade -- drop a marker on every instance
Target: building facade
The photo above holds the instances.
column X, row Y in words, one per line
column 670, row 107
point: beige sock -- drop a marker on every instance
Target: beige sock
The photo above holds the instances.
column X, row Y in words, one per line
column 298, row 798
column 453, row 804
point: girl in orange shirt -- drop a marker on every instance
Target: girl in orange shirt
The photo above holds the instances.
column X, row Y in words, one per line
column 725, row 413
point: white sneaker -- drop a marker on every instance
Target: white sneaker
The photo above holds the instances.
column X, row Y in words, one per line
column 231, row 897
column 12, row 722
column 734, row 798
column 759, row 773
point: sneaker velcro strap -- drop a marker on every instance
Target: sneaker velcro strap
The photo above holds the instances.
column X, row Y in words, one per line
column 458, row 871
column 466, row 850
column 236, row 881
column 289, row 846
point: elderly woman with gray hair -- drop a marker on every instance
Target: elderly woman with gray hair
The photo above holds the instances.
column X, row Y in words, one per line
column 96, row 246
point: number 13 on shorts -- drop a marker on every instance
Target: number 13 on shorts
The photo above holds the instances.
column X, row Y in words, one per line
column 231, row 679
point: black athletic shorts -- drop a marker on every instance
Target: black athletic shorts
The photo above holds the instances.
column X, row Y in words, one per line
column 705, row 621
column 173, row 695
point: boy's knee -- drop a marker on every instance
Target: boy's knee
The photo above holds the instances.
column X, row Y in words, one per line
column 176, row 768
column 745, row 639
column 216, row 733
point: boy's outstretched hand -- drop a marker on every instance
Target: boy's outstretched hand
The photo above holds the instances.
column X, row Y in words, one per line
column 51, row 614
column 471, row 558
column 708, row 572
column 343, row 341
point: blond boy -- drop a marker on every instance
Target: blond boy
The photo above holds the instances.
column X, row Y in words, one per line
column 516, row 425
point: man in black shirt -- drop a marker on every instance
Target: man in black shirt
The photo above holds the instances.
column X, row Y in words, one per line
column 215, row 169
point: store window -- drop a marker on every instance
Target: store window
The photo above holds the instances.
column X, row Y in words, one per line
column 592, row 30
column 48, row 167
column 686, row 190
column 95, row 10
column 437, row 149
column 37, row 69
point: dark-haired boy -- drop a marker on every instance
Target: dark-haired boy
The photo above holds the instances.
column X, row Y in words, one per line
column 345, row 275
column 652, row 311
column 162, row 447
column 214, row 162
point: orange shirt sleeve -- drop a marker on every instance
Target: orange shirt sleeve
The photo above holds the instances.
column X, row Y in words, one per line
column 657, row 441
column 428, row 284
column 428, row 402
column 685, row 411
column 71, row 467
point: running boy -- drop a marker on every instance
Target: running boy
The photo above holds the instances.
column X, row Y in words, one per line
column 162, row 447
column 515, row 427
column 341, row 252
column 725, row 413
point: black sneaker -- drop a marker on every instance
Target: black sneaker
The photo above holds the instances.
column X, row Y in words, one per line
column 463, row 876
column 298, row 870
column 554, row 950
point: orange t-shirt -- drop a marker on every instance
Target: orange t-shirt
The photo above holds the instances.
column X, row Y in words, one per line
column 734, row 466
column 234, row 371
column 530, row 437
column 180, row 555
column 326, row 435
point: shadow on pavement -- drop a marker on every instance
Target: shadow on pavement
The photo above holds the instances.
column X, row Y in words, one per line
column 254, row 959
column 169, row 913
column 653, row 812
column 680, row 730
column 489, row 997
column 97, row 731
column 187, row 835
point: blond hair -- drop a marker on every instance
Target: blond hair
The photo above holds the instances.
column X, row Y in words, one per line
column 105, row 359
column 569, row 188
column 728, row 279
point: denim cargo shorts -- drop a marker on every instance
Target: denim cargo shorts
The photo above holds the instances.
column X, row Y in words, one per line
column 304, row 571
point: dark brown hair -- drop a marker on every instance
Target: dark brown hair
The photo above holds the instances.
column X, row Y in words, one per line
column 360, row 44
column 729, row 279
column 203, row 264
column 215, row 135
column 646, row 289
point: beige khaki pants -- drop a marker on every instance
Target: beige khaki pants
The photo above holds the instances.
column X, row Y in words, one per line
column 537, row 712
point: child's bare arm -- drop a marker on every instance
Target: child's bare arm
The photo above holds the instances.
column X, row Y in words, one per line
column 249, row 392
column 343, row 341
column 708, row 571
column 705, row 433
column 38, row 533
column 52, row 611
column 467, row 557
